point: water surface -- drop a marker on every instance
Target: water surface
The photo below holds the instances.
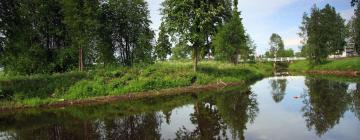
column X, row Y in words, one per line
column 279, row 108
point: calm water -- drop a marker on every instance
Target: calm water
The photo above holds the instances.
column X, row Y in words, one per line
column 273, row 108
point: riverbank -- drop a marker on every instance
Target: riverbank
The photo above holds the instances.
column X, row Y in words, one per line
column 190, row 90
column 349, row 67
column 123, row 83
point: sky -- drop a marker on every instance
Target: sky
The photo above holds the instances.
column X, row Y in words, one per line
column 261, row 18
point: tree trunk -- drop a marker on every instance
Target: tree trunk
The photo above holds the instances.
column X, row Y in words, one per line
column 196, row 58
column 81, row 62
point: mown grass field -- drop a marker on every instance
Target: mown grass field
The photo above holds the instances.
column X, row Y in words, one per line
column 345, row 64
column 43, row 89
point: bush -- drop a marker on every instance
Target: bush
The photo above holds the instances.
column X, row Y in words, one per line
column 40, row 86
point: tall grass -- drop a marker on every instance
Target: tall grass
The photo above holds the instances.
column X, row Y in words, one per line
column 104, row 81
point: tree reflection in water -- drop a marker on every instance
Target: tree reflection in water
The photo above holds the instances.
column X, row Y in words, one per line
column 230, row 111
column 143, row 126
column 356, row 100
column 214, row 116
column 278, row 87
column 237, row 109
column 208, row 121
column 325, row 103
column 138, row 127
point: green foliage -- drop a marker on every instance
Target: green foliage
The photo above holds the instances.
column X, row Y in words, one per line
column 57, row 35
column 276, row 45
column 130, row 31
column 180, row 51
column 251, row 54
column 34, row 37
column 194, row 22
column 323, row 33
column 230, row 41
column 277, row 48
column 163, row 47
column 287, row 53
column 80, row 17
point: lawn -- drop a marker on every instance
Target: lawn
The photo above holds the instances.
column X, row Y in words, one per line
column 340, row 64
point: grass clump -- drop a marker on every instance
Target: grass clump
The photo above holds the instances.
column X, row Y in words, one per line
column 38, row 86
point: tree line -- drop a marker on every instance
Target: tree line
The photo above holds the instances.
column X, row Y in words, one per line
column 47, row 36
column 324, row 33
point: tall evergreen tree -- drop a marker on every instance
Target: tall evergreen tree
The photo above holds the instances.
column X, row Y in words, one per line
column 334, row 29
column 323, row 33
column 129, row 31
column 230, row 41
column 356, row 28
column 81, row 20
column 163, row 47
column 105, row 46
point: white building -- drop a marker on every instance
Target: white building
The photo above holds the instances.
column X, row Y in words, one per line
column 349, row 51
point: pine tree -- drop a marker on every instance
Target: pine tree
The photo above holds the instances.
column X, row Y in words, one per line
column 230, row 42
column 356, row 29
column 323, row 33
column 163, row 47
column 81, row 20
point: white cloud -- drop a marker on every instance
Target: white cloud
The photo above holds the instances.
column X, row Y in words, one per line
column 154, row 7
column 292, row 42
column 261, row 8
column 347, row 14
column 260, row 18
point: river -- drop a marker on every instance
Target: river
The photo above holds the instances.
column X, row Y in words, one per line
column 276, row 108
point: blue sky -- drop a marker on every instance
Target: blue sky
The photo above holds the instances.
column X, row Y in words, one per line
column 261, row 18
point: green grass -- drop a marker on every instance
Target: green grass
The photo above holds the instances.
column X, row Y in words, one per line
column 341, row 64
column 44, row 89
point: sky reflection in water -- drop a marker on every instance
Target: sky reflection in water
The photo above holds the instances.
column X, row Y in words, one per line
column 273, row 108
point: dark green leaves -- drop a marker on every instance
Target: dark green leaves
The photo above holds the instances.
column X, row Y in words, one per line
column 323, row 34
column 47, row 36
column 230, row 41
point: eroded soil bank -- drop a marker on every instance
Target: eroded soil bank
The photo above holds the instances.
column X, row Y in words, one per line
column 334, row 72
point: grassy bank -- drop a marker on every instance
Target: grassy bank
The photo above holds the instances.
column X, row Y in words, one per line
column 44, row 89
column 346, row 64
